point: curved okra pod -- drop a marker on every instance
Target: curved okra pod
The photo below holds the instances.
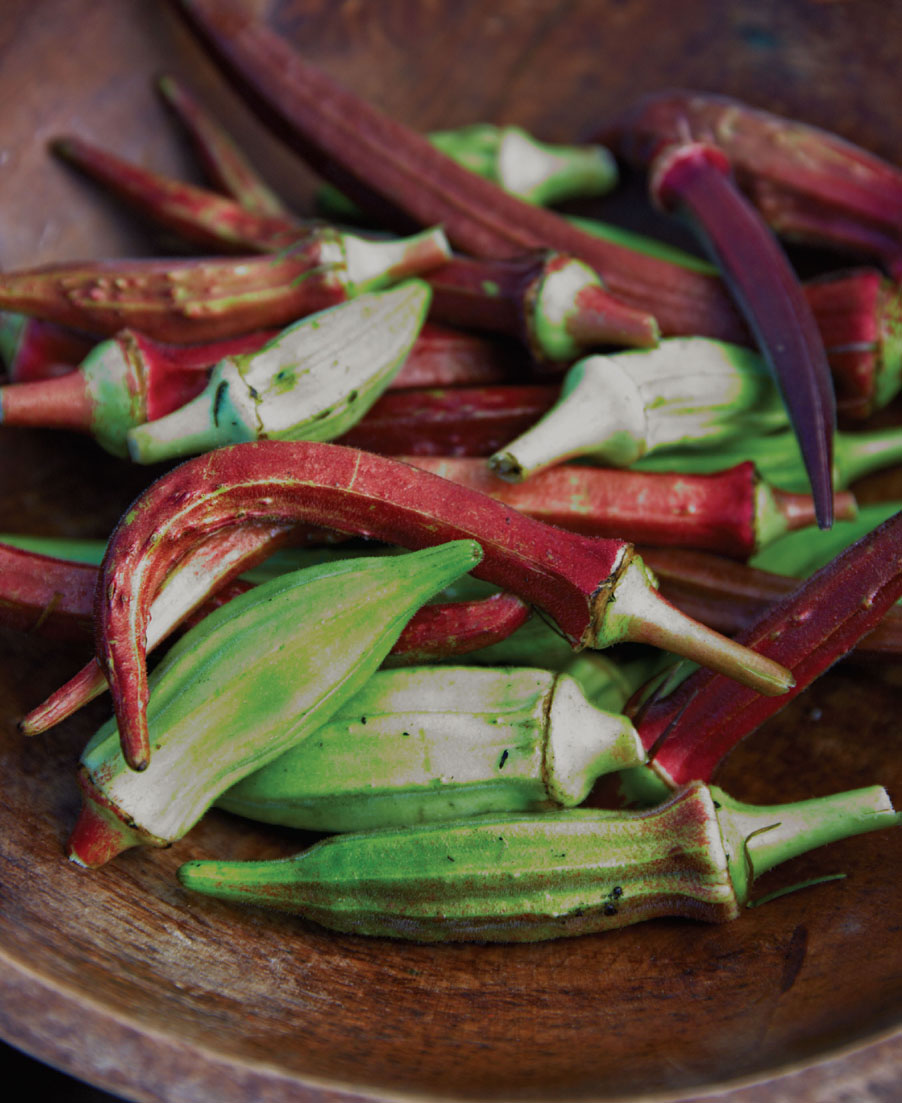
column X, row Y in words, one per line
column 617, row 408
column 692, row 179
column 256, row 676
column 205, row 299
column 423, row 744
column 571, row 577
column 690, row 731
column 312, row 381
column 522, row 878
column 733, row 511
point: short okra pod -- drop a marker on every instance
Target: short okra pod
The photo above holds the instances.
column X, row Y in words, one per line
column 571, row 577
column 733, row 511
column 205, row 299
column 258, row 674
column 422, row 744
column 617, row 408
column 522, row 878
column 312, row 381
column 32, row 349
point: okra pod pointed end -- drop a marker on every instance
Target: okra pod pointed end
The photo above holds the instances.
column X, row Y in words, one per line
column 100, row 833
column 637, row 612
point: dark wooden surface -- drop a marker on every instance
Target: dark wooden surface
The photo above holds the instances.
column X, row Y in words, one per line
column 121, row 978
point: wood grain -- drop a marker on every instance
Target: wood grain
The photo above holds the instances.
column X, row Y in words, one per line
column 123, row 979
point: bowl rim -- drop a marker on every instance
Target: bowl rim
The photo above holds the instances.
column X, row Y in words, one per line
column 868, row 1064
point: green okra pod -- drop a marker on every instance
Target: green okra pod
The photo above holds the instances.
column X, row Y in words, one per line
column 523, row 878
column 421, row 744
column 617, row 408
column 258, row 674
column 313, row 381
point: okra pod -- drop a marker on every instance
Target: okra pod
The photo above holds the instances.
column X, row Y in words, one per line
column 256, row 676
column 422, row 744
column 617, row 408
column 524, row 878
column 313, row 381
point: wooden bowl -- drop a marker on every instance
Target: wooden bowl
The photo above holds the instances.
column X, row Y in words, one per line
column 120, row 977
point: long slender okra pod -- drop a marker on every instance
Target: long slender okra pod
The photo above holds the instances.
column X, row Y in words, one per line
column 421, row 744
column 734, row 511
column 691, row 730
column 521, row 878
column 193, row 300
column 225, row 163
column 221, row 708
column 569, row 576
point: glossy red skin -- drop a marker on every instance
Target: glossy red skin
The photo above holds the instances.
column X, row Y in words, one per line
column 452, row 421
column 269, row 483
column 692, row 730
column 708, row 512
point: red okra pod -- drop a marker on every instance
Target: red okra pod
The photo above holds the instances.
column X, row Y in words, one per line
column 693, row 179
column 206, row 299
column 571, row 577
column 733, row 512
column 195, row 214
column 122, row 382
column 46, row 595
column 809, row 184
column 689, row 732
column 451, row 421
column 225, row 164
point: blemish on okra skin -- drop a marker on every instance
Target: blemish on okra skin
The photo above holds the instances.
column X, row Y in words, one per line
column 503, row 759
column 218, row 400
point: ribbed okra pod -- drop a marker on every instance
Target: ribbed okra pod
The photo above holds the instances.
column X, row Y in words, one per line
column 423, row 744
column 257, row 675
column 523, row 878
